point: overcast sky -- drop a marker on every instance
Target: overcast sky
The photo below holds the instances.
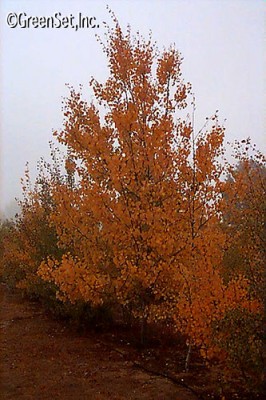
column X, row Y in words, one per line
column 221, row 42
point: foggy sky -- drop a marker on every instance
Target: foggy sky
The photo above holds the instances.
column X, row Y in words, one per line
column 221, row 42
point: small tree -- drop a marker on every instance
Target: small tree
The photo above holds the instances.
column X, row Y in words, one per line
column 244, row 210
column 245, row 213
column 30, row 238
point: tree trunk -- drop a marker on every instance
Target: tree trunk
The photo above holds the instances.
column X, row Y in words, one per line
column 188, row 358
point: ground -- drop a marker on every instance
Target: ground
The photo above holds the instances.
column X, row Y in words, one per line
column 42, row 358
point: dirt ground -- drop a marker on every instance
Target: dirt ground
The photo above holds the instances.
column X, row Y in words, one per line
column 41, row 358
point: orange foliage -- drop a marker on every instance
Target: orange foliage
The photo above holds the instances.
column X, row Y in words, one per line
column 144, row 219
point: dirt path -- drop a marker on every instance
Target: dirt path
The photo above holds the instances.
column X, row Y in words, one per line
column 41, row 359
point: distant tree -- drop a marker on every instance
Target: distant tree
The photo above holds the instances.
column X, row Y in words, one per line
column 245, row 218
column 240, row 332
column 29, row 238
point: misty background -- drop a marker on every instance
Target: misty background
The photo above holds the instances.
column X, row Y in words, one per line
column 222, row 42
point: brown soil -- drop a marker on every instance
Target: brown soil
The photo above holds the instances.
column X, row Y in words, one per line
column 42, row 358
